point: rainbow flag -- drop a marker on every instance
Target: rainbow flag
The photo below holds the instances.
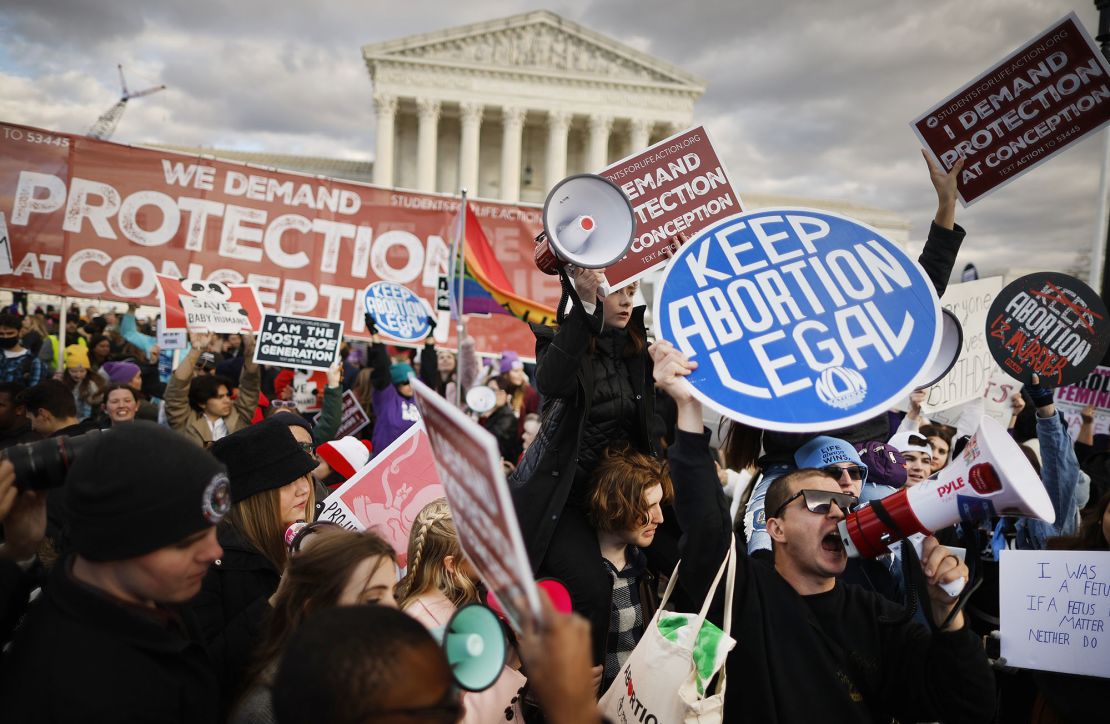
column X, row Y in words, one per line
column 486, row 287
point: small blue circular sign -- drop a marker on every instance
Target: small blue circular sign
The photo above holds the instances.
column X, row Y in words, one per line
column 397, row 311
column 799, row 320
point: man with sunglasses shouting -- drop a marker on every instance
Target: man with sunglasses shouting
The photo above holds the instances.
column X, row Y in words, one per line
column 811, row 647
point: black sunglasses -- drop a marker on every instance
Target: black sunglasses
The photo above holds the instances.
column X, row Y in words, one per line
column 819, row 501
column 855, row 472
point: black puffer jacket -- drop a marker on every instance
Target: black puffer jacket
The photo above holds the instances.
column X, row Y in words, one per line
column 612, row 414
column 566, row 377
column 233, row 606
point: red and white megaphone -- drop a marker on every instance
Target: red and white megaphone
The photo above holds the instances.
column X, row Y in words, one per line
column 990, row 477
column 587, row 222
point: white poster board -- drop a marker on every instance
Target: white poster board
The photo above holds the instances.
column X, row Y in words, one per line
column 1055, row 610
column 968, row 378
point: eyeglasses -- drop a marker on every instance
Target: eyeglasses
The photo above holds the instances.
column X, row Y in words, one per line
column 820, row 501
column 855, row 472
column 309, row 449
column 283, row 404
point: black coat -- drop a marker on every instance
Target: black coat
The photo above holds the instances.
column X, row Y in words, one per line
column 542, row 481
column 502, row 424
column 233, row 606
column 83, row 657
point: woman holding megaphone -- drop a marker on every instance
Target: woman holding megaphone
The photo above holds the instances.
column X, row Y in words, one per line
column 594, row 376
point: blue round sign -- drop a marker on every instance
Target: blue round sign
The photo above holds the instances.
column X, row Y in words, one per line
column 397, row 311
column 799, row 320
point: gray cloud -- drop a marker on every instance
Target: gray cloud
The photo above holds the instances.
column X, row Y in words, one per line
column 804, row 99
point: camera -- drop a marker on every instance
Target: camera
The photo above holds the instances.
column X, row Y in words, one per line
column 44, row 464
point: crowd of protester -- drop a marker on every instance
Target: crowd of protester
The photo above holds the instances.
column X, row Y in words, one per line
column 179, row 574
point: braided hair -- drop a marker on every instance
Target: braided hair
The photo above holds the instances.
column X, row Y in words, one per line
column 432, row 539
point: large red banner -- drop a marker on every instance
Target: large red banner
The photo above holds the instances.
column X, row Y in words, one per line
column 95, row 219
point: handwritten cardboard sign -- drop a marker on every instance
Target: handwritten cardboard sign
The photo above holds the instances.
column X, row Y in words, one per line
column 1055, row 610
column 469, row 464
column 389, row 492
column 968, row 378
column 354, row 416
column 677, row 186
column 1041, row 99
column 1048, row 324
column 298, row 342
column 996, row 402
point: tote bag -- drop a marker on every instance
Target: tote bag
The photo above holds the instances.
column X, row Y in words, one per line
column 664, row 679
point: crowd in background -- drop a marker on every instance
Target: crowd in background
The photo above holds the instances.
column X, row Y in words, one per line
column 179, row 573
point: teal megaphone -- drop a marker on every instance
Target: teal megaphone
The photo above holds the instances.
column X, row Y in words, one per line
column 475, row 646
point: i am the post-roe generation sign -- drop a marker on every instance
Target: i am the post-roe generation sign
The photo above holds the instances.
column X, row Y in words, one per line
column 799, row 320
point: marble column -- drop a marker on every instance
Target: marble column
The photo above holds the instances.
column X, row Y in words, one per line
column 386, row 109
column 468, row 146
column 639, row 134
column 598, row 157
column 558, row 122
column 512, row 124
column 427, row 110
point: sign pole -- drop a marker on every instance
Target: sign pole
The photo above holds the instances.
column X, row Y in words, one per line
column 59, row 361
column 460, row 324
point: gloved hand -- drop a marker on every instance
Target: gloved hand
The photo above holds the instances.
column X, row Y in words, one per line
column 1041, row 396
column 371, row 325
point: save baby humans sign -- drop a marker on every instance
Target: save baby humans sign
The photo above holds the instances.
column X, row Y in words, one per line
column 799, row 320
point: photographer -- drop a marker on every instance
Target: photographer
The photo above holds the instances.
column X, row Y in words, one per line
column 23, row 517
column 108, row 640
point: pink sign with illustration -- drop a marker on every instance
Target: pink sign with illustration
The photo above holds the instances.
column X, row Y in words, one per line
column 387, row 494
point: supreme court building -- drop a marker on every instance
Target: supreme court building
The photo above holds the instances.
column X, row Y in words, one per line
column 506, row 108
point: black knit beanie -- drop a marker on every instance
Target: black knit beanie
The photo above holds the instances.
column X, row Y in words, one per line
column 140, row 487
column 262, row 457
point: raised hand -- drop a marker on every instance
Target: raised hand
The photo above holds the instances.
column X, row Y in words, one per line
column 944, row 182
column 587, row 282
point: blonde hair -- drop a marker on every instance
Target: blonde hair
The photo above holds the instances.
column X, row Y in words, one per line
column 433, row 537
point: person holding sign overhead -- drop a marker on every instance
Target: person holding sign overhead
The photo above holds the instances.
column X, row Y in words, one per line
column 594, row 375
column 394, row 409
column 199, row 406
column 814, row 648
column 743, row 446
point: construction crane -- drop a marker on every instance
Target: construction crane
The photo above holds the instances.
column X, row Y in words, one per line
column 105, row 126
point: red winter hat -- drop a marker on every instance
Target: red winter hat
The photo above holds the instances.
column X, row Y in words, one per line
column 283, row 380
column 345, row 455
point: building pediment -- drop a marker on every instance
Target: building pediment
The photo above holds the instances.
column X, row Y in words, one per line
column 539, row 43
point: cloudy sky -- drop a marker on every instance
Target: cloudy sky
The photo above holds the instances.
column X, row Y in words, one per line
column 804, row 98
